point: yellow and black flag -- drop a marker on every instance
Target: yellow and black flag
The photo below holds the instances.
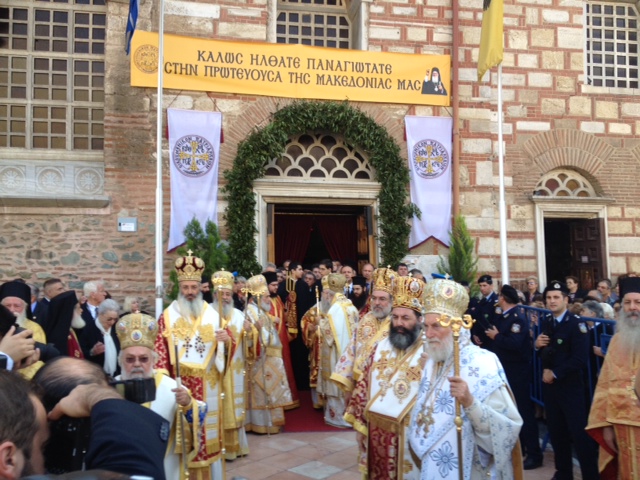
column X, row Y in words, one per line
column 491, row 43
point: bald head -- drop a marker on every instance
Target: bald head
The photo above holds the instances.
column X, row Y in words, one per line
column 62, row 374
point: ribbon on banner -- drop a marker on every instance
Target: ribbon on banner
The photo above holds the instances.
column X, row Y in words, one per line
column 429, row 150
column 194, row 147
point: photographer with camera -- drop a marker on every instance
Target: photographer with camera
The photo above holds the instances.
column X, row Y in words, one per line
column 17, row 348
column 15, row 296
column 564, row 350
column 93, row 427
column 137, row 333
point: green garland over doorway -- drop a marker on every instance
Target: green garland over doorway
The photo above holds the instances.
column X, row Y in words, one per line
column 360, row 131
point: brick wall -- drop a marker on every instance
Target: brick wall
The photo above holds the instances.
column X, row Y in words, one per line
column 550, row 120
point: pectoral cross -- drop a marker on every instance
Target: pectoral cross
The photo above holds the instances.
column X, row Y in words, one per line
column 384, row 366
column 424, row 419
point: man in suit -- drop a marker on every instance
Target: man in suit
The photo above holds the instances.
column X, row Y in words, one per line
column 125, row 437
column 95, row 294
column 484, row 310
column 50, row 288
column 564, row 350
column 510, row 340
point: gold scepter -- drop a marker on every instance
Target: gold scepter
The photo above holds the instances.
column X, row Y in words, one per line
column 317, row 302
column 456, row 325
column 185, row 464
column 219, row 281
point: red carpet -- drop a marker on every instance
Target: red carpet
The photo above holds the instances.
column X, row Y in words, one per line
column 306, row 418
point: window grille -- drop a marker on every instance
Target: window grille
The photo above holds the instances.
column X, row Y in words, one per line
column 611, row 45
column 52, row 74
column 318, row 23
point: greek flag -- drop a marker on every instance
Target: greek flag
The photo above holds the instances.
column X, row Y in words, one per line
column 131, row 23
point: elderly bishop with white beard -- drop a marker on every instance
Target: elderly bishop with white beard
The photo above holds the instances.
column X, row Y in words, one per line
column 490, row 420
column 203, row 347
column 137, row 333
column 614, row 420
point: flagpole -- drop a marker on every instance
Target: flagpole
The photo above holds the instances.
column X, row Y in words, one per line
column 503, row 207
column 159, row 245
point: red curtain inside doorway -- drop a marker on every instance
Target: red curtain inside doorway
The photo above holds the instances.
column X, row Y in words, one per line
column 339, row 235
column 292, row 237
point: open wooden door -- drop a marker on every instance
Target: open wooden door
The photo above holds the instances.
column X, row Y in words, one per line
column 588, row 251
column 271, row 239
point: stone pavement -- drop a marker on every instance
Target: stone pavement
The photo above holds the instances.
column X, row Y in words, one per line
column 321, row 455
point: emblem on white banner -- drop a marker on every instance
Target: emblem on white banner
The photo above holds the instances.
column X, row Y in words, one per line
column 193, row 155
column 430, row 158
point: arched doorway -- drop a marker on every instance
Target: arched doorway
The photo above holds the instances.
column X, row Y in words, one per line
column 571, row 228
column 247, row 214
column 319, row 197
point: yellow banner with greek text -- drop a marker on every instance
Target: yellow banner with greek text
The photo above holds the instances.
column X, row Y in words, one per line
column 292, row 71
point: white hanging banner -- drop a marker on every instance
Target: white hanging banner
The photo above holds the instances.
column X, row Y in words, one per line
column 429, row 150
column 194, row 146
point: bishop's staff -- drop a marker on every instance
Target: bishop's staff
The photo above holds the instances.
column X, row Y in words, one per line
column 185, row 464
column 219, row 282
column 457, row 324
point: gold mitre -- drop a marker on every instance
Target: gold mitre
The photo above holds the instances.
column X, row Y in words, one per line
column 257, row 285
column 222, row 280
column 383, row 279
column 137, row 330
column 407, row 293
column 445, row 297
column 334, row 282
column 189, row 268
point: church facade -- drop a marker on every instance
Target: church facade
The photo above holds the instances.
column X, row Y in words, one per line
column 78, row 142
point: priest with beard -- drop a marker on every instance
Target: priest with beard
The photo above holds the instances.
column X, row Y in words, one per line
column 371, row 329
column 65, row 317
column 192, row 328
column 490, row 419
column 286, row 330
column 382, row 400
column 137, row 334
column 269, row 392
column 615, row 412
column 359, row 295
column 328, row 335
column 235, row 381
column 15, row 296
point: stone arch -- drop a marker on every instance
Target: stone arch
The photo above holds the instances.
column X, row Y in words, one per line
column 568, row 148
column 369, row 129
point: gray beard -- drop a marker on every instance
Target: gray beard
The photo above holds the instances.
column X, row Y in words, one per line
column 227, row 308
column 77, row 321
column 21, row 318
column 381, row 314
column 265, row 304
column 191, row 308
column 440, row 352
column 325, row 305
column 125, row 376
column 628, row 330
column 402, row 341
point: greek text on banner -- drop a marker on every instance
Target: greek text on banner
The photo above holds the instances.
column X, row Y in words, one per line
column 292, row 71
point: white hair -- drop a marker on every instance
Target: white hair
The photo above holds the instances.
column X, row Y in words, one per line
column 92, row 287
column 128, row 301
column 108, row 305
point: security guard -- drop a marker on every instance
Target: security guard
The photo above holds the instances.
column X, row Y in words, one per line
column 511, row 341
column 564, row 350
column 484, row 310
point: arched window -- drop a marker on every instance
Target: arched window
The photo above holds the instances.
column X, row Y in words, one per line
column 320, row 156
column 564, row 183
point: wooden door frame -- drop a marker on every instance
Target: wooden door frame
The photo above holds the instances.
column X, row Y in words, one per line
column 570, row 208
column 303, row 191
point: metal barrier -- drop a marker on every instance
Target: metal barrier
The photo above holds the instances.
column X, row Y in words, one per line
column 600, row 333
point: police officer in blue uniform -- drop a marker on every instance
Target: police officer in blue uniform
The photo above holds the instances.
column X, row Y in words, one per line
column 484, row 310
column 511, row 341
column 564, row 349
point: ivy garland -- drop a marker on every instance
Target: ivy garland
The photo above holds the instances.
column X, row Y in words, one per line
column 359, row 130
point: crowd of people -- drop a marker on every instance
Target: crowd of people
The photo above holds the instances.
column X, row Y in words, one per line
column 435, row 383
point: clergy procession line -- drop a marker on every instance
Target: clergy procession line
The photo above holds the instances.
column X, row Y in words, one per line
column 435, row 386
